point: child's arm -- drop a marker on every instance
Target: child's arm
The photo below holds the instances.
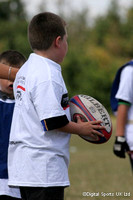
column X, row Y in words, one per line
column 121, row 119
column 83, row 128
column 7, row 72
column 120, row 145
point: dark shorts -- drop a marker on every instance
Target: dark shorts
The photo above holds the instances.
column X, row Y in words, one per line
column 4, row 197
column 41, row 193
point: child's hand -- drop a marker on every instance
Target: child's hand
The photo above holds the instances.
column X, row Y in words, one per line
column 90, row 128
column 120, row 147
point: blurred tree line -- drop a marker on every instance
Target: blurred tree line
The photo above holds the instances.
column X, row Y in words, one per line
column 95, row 51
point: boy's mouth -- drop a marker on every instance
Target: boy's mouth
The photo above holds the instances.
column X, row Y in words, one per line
column 11, row 86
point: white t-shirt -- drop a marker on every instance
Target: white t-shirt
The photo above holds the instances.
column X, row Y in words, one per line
column 125, row 92
column 38, row 158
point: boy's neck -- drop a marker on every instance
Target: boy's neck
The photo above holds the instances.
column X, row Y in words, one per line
column 47, row 54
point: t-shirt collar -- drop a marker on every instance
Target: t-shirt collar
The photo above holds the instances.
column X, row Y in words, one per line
column 49, row 60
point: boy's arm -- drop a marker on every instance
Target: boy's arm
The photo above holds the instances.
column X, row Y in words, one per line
column 120, row 145
column 83, row 128
column 7, row 73
column 121, row 119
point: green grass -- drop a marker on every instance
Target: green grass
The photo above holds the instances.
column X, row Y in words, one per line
column 94, row 168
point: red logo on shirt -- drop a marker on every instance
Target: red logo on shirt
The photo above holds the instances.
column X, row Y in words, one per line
column 22, row 88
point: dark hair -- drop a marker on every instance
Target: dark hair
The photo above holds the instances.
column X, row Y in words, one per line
column 13, row 58
column 44, row 28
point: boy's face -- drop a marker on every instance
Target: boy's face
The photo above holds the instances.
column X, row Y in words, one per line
column 63, row 48
column 6, row 87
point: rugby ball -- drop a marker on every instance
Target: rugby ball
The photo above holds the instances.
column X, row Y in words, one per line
column 89, row 109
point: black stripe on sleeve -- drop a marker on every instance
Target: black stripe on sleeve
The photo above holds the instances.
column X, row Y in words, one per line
column 120, row 101
column 56, row 122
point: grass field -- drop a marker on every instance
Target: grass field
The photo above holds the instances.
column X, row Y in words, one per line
column 95, row 170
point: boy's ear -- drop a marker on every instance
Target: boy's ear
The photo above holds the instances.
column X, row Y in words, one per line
column 57, row 41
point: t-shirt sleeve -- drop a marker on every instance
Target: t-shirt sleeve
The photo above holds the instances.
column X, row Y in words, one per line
column 125, row 91
column 122, row 102
column 47, row 98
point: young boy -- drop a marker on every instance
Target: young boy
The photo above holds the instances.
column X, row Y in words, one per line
column 39, row 141
column 15, row 59
column 124, row 120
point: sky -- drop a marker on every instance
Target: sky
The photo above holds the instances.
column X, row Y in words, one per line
column 96, row 7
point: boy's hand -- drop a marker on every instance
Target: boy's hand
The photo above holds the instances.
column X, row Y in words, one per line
column 90, row 128
column 120, row 146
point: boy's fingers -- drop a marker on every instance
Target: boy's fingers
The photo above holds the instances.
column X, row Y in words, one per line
column 94, row 134
column 98, row 127
column 96, row 122
column 97, row 133
column 78, row 119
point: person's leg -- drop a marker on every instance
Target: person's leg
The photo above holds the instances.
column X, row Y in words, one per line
column 131, row 160
column 39, row 193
